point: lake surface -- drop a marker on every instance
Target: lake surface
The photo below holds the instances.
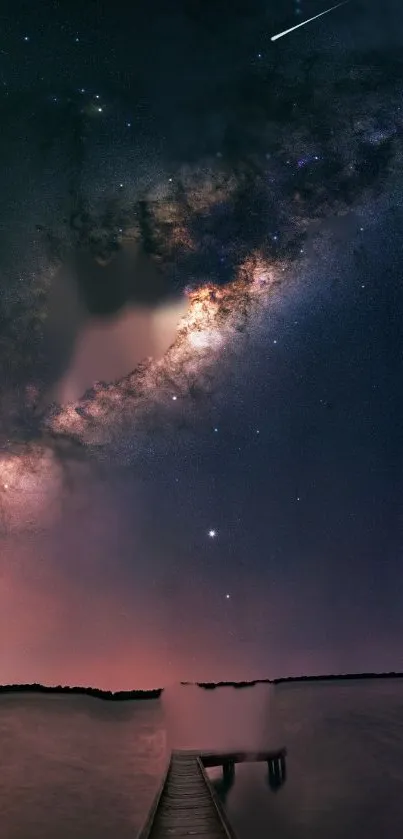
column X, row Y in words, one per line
column 76, row 767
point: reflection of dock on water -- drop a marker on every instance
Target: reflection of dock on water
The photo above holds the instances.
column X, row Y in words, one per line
column 186, row 803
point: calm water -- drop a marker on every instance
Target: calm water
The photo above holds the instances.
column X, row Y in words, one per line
column 76, row 767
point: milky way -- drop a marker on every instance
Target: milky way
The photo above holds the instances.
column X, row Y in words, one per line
column 222, row 229
column 225, row 212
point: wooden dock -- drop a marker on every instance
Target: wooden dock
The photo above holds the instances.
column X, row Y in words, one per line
column 186, row 803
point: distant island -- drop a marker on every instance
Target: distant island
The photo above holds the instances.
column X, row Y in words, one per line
column 109, row 695
column 329, row 677
column 124, row 695
column 213, row 685
column 286, row 679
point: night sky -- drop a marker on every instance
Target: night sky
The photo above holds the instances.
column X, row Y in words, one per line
column 201, row 342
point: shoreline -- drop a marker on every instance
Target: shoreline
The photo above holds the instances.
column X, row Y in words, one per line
column 97, row 693
column 326, row 677
column 155, row 693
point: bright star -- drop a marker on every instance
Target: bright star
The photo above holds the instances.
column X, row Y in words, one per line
column 212, row 534
column 227, row 596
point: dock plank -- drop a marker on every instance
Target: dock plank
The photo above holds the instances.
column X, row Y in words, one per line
column 186, row 805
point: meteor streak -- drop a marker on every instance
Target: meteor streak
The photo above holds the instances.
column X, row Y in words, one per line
column 287, row 31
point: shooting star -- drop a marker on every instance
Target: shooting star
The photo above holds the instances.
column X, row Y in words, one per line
column 326, row 12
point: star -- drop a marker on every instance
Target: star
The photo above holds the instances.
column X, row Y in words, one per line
column 227, row 596
column 212, row 534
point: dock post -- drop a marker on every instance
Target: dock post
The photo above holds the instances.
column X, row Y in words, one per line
column 283, row 768
column 277, row 772
column 228, row 771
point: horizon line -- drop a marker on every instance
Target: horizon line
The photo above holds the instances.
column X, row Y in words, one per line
column 218, row 683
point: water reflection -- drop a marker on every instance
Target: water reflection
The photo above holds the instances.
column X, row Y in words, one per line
column 222, row 787
column 228, row 720
column 275, row 778
column 78, row 767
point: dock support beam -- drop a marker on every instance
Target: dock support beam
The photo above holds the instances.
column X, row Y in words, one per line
column 277, row 772
column 228, row 771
